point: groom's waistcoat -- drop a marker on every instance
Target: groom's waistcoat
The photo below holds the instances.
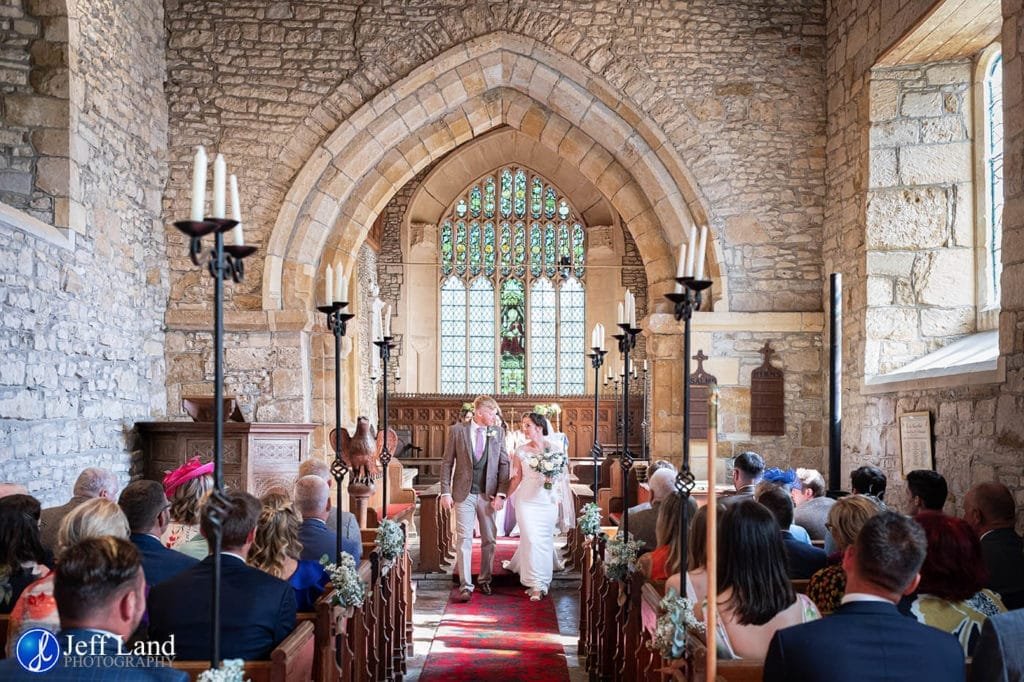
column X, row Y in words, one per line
column 479, row 472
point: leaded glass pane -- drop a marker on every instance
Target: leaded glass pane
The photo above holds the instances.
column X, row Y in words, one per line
column 506, row 249
column 549, row 202
column 475, row 201
column 520, row 248
column 549, row 248
column 446, row 247
column 506, row 193
column 564, row 244
column 460, row 247
column 536, row 197
column 536, row 250
column 543, row 334
column 520, row 193
column 474, row 248
column 578, row 253
column 453, row 336
column 490, row 248
column 489, row 197
column 994, row 167
column 572, row 330
column 513, row 337
column 481, row 336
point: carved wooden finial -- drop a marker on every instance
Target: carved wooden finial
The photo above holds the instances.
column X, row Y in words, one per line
column 766, row 354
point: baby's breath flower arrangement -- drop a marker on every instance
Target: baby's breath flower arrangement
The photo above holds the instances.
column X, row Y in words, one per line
column 349, row 588
column 620, row 557
column 589, row 522
column 673, row 625
column 390, row 540
column 231, row 670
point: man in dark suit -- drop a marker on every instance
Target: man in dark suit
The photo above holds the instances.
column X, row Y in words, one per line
column 101, row 596
column 999, row 656
column 312, row 466
column 867, row 639
column 148, row 512
column 990, row 510
column 747, row 472
column 474, row 482
column 313, row 502
column 92, row 482
column 802, row 560
column 257, row 609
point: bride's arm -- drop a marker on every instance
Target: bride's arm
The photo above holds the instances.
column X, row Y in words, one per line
column 516, row 476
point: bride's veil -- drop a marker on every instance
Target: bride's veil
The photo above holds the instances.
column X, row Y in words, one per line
column 563, row 490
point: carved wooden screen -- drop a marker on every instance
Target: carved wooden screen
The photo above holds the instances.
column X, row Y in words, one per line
column 767, row 398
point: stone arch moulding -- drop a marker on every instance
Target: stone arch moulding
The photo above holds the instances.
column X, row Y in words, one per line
column 496, row 80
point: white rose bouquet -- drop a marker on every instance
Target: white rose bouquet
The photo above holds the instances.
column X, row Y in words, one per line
column 551, row 463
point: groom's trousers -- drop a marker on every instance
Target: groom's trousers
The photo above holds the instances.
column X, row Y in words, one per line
column 467, row 513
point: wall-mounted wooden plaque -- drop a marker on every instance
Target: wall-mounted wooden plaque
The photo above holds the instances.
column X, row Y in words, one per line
column 767, row 398
column 700, row 388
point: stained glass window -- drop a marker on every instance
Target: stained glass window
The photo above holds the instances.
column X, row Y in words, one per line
column 994, row 176
column 512, row 294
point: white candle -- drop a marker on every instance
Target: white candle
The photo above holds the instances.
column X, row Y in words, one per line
column 593, row 338
column 328, row 285
column 622, row 314
column 645, row 365
column 236, row 212
column 220, row 170
column 702, row 246
column 198, row 185
column 678, row 289
column 386, row 322
column 681, row 265
column 691, row 251
column 601, row 337
column 340, row 285
column 632, row 311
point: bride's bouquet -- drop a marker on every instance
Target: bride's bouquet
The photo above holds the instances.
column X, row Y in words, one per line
column 551, row 462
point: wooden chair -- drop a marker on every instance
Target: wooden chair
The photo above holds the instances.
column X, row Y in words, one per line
column 290, row 661
column 401, row 500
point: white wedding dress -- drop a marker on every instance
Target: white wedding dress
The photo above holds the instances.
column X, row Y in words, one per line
column 537, row 513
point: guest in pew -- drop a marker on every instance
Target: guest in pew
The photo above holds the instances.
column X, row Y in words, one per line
column 316, row 467
column 867, row 639
column 812, row 505
column 36, row 607
column 258, row 609
column 802, row 560
column 747, row 470
column 868, row 480
column 100, row 592
column 928, row 491
column 755, row 596
column 666, row 558
column 696, row 559
column 847, row 516
column 999, row 656
column 990, row 510
column 92, row 482
column 950, row 596
column 23, row 560
column 149, row 513
column 313, row 502
column 787, row 482
column 187, row 488
column 643, row 524
column 276, row 549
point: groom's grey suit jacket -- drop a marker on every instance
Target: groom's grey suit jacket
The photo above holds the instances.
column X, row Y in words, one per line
column 458, row 453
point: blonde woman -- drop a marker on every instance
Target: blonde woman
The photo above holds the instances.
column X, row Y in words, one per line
column 36, row 607
column 276, row 550
column 845, row 519
column 186, row 488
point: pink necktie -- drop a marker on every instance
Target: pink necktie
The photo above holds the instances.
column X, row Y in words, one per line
column 479, row 450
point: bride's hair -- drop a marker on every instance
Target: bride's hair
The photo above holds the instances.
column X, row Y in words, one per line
column 539, row 421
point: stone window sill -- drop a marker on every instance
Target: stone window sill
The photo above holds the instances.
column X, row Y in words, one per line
column 15, row 219
column 970, row 361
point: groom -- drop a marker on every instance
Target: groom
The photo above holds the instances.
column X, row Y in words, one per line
column 478, row 489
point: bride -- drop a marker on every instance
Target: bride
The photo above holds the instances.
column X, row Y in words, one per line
column 537, row 509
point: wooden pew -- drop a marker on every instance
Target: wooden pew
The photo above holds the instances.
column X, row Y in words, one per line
column 290, row 661
column 437, row 540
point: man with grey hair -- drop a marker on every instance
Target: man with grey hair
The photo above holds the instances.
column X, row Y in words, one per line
column 313, row 502
column 92, row 482
column 643, row 524
column 349, row 527
column 812, row 506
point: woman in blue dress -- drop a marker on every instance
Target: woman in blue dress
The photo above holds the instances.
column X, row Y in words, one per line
column 276, row 550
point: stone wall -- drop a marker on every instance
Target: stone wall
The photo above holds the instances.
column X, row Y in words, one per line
column 920, row 212
column 979, row 433
column 34, row 110
column 81, row 327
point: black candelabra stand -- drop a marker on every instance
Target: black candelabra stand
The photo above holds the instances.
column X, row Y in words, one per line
column 627, row 342
column 618, row 419
column 687, row 302
column 385, row 345
column 224, row 262
column 337, row 322
column 596, row 452
column 644, row 424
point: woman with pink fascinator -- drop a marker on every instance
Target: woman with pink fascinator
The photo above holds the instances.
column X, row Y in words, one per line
column 187, row 487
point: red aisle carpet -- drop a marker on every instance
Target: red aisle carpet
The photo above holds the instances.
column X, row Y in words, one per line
column 503, row 637
column 505, row 549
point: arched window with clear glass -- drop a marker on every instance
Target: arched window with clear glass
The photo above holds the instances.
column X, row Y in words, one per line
column 512, row 288
column 993, row 150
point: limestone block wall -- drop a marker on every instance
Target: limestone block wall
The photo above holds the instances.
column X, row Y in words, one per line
column 34, row 113
column 979, row 432
column 81, row 317
column 920, row 212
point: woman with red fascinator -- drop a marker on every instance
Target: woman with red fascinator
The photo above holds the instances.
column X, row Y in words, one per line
column 187, row 487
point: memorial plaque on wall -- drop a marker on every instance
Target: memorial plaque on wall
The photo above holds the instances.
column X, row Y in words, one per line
column 700, row 389
column 767, row 398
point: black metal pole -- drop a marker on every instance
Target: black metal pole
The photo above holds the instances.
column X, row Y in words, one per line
column 337, row 322
column 627, row 341
column 218, row 434
column 835, row 396
column 385, row 347
column 596, row 360
column 644, row 425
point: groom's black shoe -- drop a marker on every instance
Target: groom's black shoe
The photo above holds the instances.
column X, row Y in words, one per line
column 485, row 588
column 465, row 594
